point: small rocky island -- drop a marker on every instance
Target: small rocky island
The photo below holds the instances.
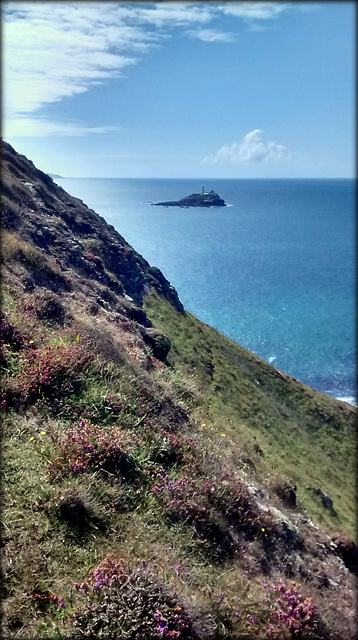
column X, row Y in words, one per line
column 203, row 199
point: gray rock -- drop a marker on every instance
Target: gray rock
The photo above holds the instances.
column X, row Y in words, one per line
column 326, row 499
column 159, row 343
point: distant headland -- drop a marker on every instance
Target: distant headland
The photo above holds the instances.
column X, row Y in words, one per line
column 203, row 199
column 54, row 175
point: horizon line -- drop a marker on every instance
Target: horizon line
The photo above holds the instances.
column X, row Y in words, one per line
column 58, row 177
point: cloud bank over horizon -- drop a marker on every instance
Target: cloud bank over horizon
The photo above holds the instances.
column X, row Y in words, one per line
column 252, row 148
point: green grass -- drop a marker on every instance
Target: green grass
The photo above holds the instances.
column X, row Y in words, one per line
column 294, row 426
column 221, row 410
column 42, row 268
column 50, row 556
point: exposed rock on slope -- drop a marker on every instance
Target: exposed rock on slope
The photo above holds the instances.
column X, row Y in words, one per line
column 73, row 235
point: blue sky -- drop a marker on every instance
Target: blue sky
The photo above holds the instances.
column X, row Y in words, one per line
column 181, row 89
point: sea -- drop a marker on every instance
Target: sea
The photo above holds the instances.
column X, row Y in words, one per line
column 275, row 270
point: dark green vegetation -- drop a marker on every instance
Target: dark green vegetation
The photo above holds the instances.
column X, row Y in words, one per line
column 159, row 481
column 210, row 199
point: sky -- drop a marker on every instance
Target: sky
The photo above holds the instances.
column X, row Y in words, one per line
column 181, row 89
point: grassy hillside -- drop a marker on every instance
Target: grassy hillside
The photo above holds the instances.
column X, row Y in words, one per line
column 159, row 481
column 284, row 426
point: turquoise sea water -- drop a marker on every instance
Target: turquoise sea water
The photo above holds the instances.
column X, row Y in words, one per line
column 274, row 271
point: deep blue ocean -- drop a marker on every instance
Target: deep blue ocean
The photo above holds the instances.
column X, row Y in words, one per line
column 274, row 270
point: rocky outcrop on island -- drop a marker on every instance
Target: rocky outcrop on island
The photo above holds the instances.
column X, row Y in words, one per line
column 210, row 199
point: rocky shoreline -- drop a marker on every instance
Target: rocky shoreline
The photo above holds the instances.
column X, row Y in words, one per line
column 210, row 199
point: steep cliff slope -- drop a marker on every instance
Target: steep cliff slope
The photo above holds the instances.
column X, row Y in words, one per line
column 77, row 239
column 159, row 480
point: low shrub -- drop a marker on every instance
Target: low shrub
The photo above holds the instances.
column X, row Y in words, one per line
column 46, row 374
column 188, row 500
column 89, row 447
column 48, row 307
column 10, row 335
column 292, row 615
column 119, row 602
column 44, row 600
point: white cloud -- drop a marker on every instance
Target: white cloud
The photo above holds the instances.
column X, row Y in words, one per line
column 252, row 148
column 255, row 10
column 25, row 127
column 175, row 13
column 210, row 35
column 55, row 50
